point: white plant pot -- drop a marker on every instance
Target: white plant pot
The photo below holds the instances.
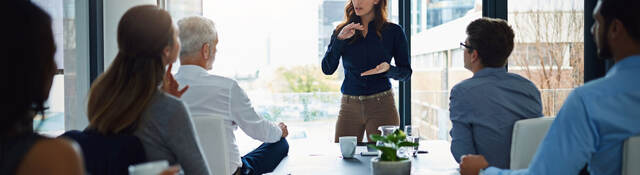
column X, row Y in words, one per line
column 390, row 168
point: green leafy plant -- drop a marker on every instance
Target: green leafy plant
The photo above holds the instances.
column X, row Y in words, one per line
column 392, row 143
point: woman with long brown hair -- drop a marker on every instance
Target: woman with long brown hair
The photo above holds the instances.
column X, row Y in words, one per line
column 127, row 99
column 366, row 42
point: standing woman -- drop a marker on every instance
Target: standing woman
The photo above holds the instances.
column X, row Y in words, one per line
column 366, row 41
column 128, row 99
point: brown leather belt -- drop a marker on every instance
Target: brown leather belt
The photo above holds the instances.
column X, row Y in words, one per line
column 365, row 97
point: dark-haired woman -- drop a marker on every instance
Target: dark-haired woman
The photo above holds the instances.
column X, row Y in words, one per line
column 28, row 66
column 127, row 99
column 366, row 42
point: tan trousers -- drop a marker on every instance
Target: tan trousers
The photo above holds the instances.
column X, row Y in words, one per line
column 361, row 113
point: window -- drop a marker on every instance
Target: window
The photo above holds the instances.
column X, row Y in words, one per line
column 437, row 42
column 418, row 12
column 442, row 11
column 548, row 47
column 457, row 63
column 540, row 56
column 428, row 62
column 274, row 50
column 184, row 8
column 70, row 84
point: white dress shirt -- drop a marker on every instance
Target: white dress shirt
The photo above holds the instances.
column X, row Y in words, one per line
column 213, row 95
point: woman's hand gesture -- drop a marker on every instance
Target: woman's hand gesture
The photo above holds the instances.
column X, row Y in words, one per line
column 170, row 85
column 381, row 68
column 349, row 30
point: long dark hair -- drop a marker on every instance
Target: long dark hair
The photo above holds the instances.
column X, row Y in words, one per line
column 120, row 96
column 28, row 65
column 380, row 19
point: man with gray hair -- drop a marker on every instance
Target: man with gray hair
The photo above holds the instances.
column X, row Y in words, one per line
column 212, row 95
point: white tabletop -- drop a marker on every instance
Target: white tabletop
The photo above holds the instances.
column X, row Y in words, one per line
column 324, row 158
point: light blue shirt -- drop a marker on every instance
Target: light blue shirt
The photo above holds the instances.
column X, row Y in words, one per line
column 483, row 110
column 592, row 126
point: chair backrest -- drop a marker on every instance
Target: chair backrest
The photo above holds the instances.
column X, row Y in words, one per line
column 527, row 135
column 213, row 139
column 110, row 154
column 631, row 156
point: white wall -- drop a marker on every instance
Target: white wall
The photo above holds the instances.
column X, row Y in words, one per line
column 113, row 11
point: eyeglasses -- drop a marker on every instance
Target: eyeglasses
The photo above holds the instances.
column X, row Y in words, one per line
column 466, row 46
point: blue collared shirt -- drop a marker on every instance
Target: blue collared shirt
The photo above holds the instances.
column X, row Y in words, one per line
column 483, row 110
column 366, row 53
column 592, row 126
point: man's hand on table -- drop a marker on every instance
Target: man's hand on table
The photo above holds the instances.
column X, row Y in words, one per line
column 472, row 164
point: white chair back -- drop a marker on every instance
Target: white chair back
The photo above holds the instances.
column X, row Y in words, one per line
column 631, row 156
column 527, row 135
column 213, row 139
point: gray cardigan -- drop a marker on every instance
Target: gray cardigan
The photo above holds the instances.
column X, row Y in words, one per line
column 168, row 133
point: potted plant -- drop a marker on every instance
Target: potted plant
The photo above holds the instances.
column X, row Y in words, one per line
column 388, row 162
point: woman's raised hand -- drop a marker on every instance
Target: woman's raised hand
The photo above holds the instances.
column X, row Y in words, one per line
column 170, row 85
column 349, row 30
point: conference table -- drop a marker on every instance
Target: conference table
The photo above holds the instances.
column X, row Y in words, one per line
column 324, row 158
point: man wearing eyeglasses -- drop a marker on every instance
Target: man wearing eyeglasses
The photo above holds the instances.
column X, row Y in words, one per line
column 484, row 107
column 599, row 116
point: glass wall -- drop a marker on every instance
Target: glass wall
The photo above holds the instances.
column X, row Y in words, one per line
column 549, row 47
column 274, row 51
column 278, row 63
column 438, row 26
column 184, row 8
column 70, row 84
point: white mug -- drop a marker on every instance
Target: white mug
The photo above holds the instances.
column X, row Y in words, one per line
column 149, row 168
column 348, row 146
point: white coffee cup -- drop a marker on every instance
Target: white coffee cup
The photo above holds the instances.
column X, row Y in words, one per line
column 149, row 168
column 348, row 146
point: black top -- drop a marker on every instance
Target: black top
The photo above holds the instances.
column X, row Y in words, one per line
column 366, row 53
column 108, row 154
column 13, row 150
